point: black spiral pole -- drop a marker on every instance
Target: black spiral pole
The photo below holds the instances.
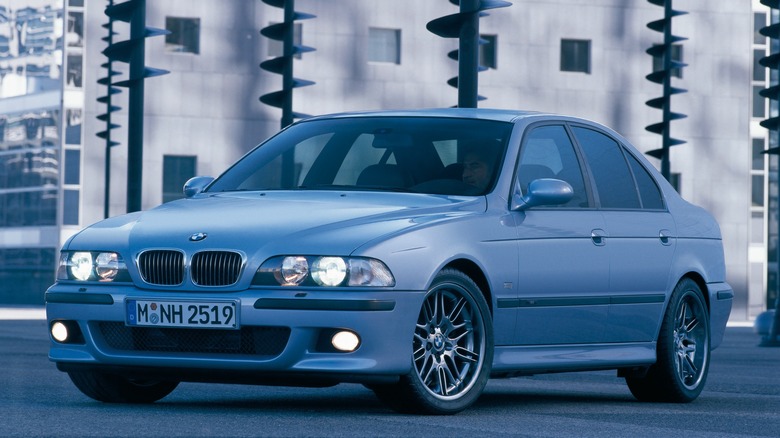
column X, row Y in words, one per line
column 664, row 77
column 106, row 117
column 132, row 52
column 464, row 25
column 772, row 62
column 283, row 65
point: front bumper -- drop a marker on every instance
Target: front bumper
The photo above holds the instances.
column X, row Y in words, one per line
column 281, row 335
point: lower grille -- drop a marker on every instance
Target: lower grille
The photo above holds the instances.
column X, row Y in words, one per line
column 249, row 340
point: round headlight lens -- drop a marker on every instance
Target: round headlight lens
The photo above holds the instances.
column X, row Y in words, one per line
column 81, row 265
column 107, row 265
column 294, row 270
column 329, row 271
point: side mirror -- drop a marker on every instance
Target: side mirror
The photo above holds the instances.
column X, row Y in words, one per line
column 195, row 185
column 544, row 191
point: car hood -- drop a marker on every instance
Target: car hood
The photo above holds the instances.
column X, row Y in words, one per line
column 274, row 223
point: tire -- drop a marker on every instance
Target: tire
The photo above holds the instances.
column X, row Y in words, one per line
column 452, row 348
column 683, row 350
column 111, row 388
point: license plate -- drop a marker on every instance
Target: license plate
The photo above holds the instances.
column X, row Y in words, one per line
column 193, row 314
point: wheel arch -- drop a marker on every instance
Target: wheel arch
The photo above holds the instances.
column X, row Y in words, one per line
column 473, row 271
column 699, row 280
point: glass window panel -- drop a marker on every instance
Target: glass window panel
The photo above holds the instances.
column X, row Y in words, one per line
column 758, row 157
column 72, row 166
column 757, row 227
column 575, row 55
column 757, row 190
column 276, row 47
column 73, row 126
column 759, row 21
column 759, row 71
column 384, row 45
column 759, row 102
column 33, row 208
column 75, row 34
column 70, row 207
column 488, row 51
column 25, row 273
column 176, row 171
column 610, row 171
column 648, row 190
column 184, row 36
column 547, row 152
column 74, row 75
column 677, row 55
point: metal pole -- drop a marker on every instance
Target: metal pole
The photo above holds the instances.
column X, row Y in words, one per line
column 468, row 54
column 665, row 164
column 287, row 54
column 135, row 118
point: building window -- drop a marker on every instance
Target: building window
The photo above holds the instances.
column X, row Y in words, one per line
column 72, row 166
column 73, row 126
column 276, row 47
column 677, row 56
column 759, row 21
column 70, row 207
column 758, row 156
column 759, row 104
column 25, row 273
column 759, row 71
column 488, row 51
column 176, row 171
column 184, row 36
column 757, row 182
column 384, row 45
column 575, row 55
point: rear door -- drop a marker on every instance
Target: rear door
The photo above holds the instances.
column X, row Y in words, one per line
column 641, row 236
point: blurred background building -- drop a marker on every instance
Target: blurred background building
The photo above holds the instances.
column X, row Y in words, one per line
column 579, row 57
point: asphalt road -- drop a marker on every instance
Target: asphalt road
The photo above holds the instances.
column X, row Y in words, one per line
column 742, row 398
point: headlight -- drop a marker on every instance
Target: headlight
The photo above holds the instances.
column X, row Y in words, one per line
column 81, row 265
column 326, row 271
column 92, row 266
column 329, row 271
column 293, row 271
column 107, row 265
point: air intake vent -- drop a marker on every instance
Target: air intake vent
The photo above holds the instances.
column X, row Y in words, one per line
column 216, row 268
column 162, row 267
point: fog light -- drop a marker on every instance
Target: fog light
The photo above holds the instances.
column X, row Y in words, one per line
column 345, row 341
column 59, row 332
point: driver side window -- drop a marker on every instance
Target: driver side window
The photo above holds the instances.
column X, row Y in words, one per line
column 549, row 153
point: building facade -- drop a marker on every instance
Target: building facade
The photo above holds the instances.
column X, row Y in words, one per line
column 579, row 57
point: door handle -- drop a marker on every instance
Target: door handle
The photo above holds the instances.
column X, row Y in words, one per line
column 599, row 237
column 665, row 236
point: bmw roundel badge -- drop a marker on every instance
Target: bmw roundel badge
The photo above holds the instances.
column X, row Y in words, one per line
column 197, row 237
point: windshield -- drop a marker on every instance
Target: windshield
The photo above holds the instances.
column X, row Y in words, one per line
column 434, row 155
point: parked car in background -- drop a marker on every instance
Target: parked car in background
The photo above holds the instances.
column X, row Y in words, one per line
column 417, row 252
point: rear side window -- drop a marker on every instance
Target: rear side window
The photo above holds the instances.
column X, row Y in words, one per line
column 648, row 190
column 614, row 183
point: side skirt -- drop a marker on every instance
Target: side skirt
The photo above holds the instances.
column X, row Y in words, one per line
column 511, row 361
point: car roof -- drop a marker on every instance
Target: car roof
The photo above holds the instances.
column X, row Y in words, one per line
column 468, row 113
